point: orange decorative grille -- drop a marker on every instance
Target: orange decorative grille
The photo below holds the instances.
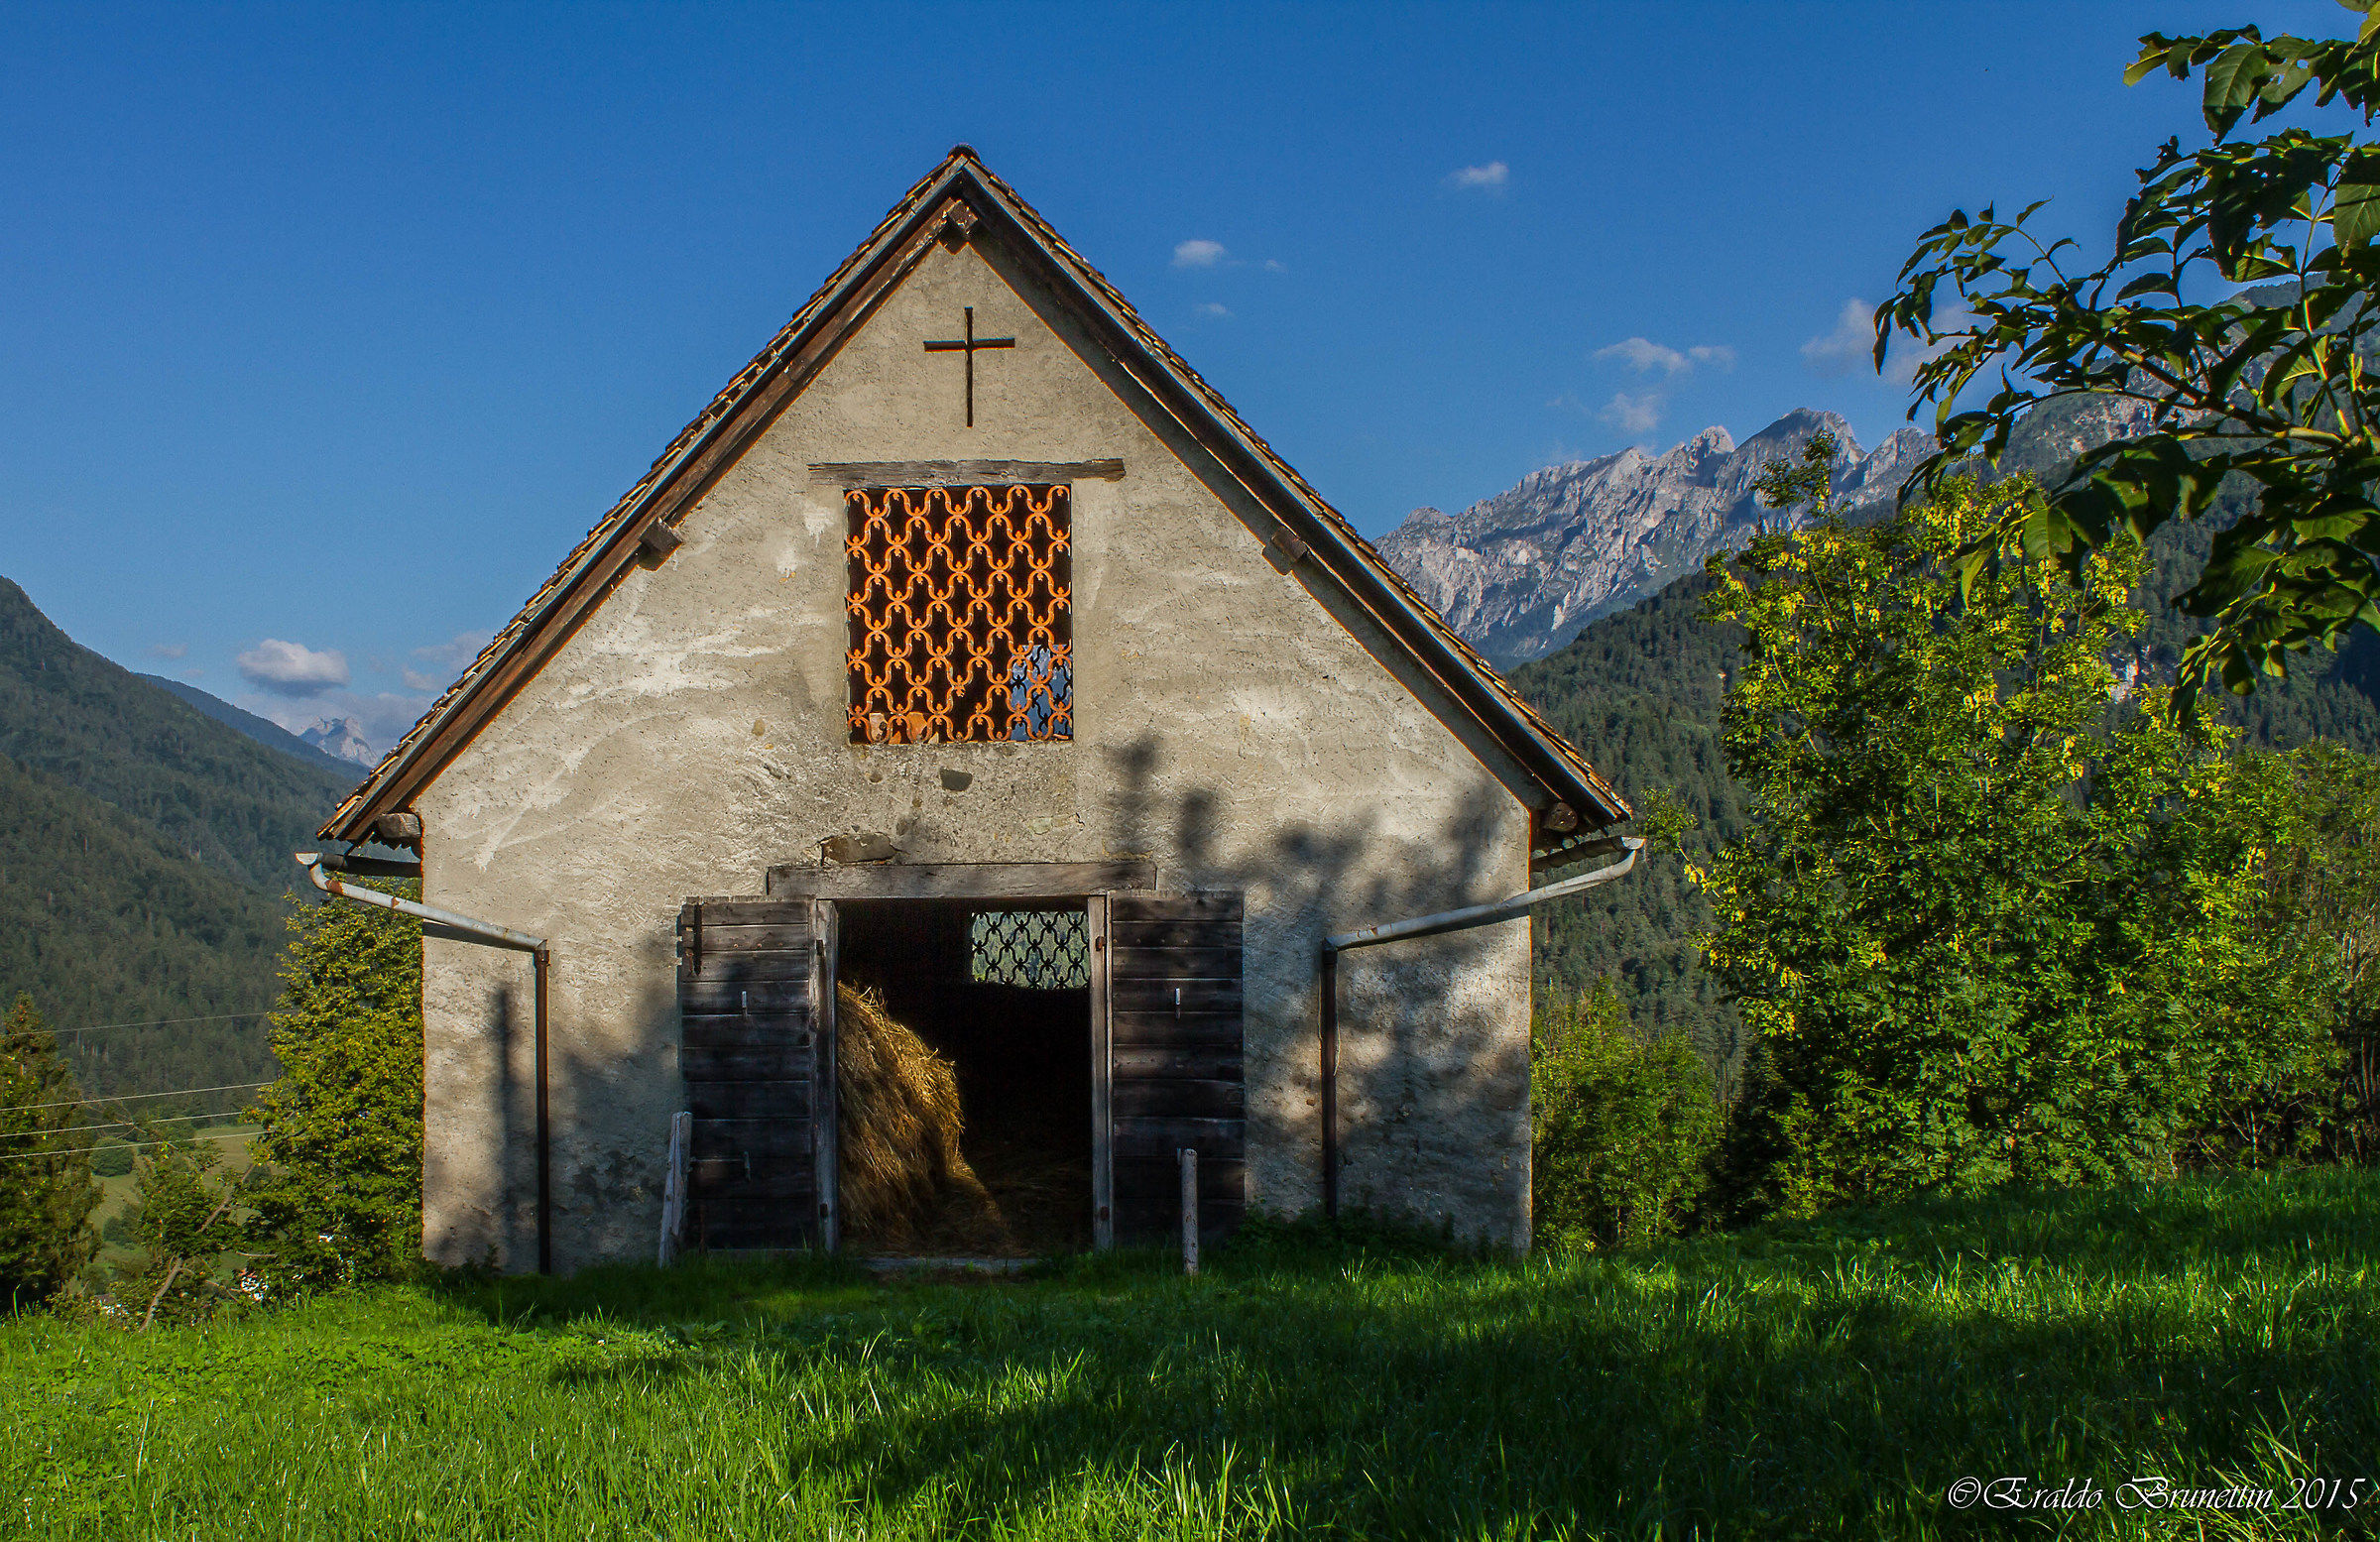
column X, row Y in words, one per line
column 960, row 629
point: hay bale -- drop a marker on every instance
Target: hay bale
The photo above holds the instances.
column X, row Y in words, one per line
column 904, row 1177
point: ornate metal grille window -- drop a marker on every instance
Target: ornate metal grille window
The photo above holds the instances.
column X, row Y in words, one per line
column 960, row 620
column 1041, row 950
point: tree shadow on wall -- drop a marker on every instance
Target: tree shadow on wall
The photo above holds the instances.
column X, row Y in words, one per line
column 1427, row 1085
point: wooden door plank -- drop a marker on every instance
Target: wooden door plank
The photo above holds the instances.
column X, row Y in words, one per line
column 1131, row 935
column 750, row 1097
column 1210, row 905
column 1170, row 1097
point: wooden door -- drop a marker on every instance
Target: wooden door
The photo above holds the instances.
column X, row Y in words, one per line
column 1175, row 1042
column 748, row 973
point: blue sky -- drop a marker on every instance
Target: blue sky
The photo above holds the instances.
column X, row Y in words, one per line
column 330, row 330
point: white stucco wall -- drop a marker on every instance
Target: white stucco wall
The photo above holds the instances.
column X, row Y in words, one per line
column 1230, row 724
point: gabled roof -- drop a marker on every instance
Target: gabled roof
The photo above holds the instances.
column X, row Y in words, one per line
column 957, row 202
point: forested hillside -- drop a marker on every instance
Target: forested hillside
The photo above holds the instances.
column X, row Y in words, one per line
column 218, row 796
column 104, row 921
column 1640, row 691
column 144, row 856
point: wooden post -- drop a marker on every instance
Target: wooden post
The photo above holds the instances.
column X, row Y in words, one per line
column 1102, row 1080
column 1189, row 1210
column 673, row 1187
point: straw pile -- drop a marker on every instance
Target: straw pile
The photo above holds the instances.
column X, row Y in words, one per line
column 904, row 1181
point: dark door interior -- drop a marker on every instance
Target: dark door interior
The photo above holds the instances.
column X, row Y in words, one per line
column 997, row 993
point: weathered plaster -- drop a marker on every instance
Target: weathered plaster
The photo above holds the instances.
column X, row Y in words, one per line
column 1242, row 728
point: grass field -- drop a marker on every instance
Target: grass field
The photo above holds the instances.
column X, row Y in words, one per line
column 1826, row 1378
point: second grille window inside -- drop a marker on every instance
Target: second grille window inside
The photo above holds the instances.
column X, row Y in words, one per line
column 960, row 630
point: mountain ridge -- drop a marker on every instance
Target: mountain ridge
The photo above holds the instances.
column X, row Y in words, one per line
column 217, row 794
column 1519, row 574
column 263, row 729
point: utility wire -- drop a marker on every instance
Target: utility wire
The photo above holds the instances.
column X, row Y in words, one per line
column 161, row 1022
column 113, row 1123
column 86, row 1150
column 134, row 1097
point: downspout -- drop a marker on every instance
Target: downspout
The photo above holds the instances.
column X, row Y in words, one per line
column 1489, row 915
column 465, row 928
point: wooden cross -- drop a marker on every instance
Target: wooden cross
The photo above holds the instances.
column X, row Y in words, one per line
column 969, row 344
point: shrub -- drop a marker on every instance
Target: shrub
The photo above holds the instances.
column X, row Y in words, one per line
column 1623, row 1127
column 1992, row 918
column 2319, row 861
column 112, row 1160
column 183, row 1221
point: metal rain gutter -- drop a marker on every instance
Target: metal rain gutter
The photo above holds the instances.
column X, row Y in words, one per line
column 1514, row 908
column 464, row 928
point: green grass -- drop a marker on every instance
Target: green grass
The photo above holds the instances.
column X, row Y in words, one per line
column 1825, row 1378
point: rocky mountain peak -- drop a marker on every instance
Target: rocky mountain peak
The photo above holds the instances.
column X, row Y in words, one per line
column 340, row 737
column 1518, row 575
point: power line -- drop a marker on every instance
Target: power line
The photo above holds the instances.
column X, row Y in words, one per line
column 134, row 1097
column 114, row 1124
column 161, row 1022
column 86, row 1150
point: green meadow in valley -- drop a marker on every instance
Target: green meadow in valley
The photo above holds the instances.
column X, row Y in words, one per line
column 1829, row 1377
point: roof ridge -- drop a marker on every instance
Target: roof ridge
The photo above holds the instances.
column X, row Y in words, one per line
column 731, row 397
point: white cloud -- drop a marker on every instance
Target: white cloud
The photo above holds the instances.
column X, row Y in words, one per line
column 1199, row 254
column 1644, row 356
column 1639, row 414
column 168, row 650
column 1212, row 308
column 292, row 669
column 1851, row 345
column 456, row 651
column 414, row 679
column 1276, row 265
column 1490, row 176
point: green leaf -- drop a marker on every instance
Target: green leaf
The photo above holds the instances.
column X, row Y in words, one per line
column 2232, row 83
column 2355, row 206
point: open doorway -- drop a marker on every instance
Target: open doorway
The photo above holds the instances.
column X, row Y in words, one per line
column 965, row 1084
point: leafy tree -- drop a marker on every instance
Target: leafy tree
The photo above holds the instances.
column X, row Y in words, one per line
column 1623, row 1127
column 1984, row 925
column 2275, row 386
column 184, row 1221
column 2322, row 899
column 46, row 1192
column 342, row 1128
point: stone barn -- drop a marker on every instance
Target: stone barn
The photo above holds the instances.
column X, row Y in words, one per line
column 969, row 651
